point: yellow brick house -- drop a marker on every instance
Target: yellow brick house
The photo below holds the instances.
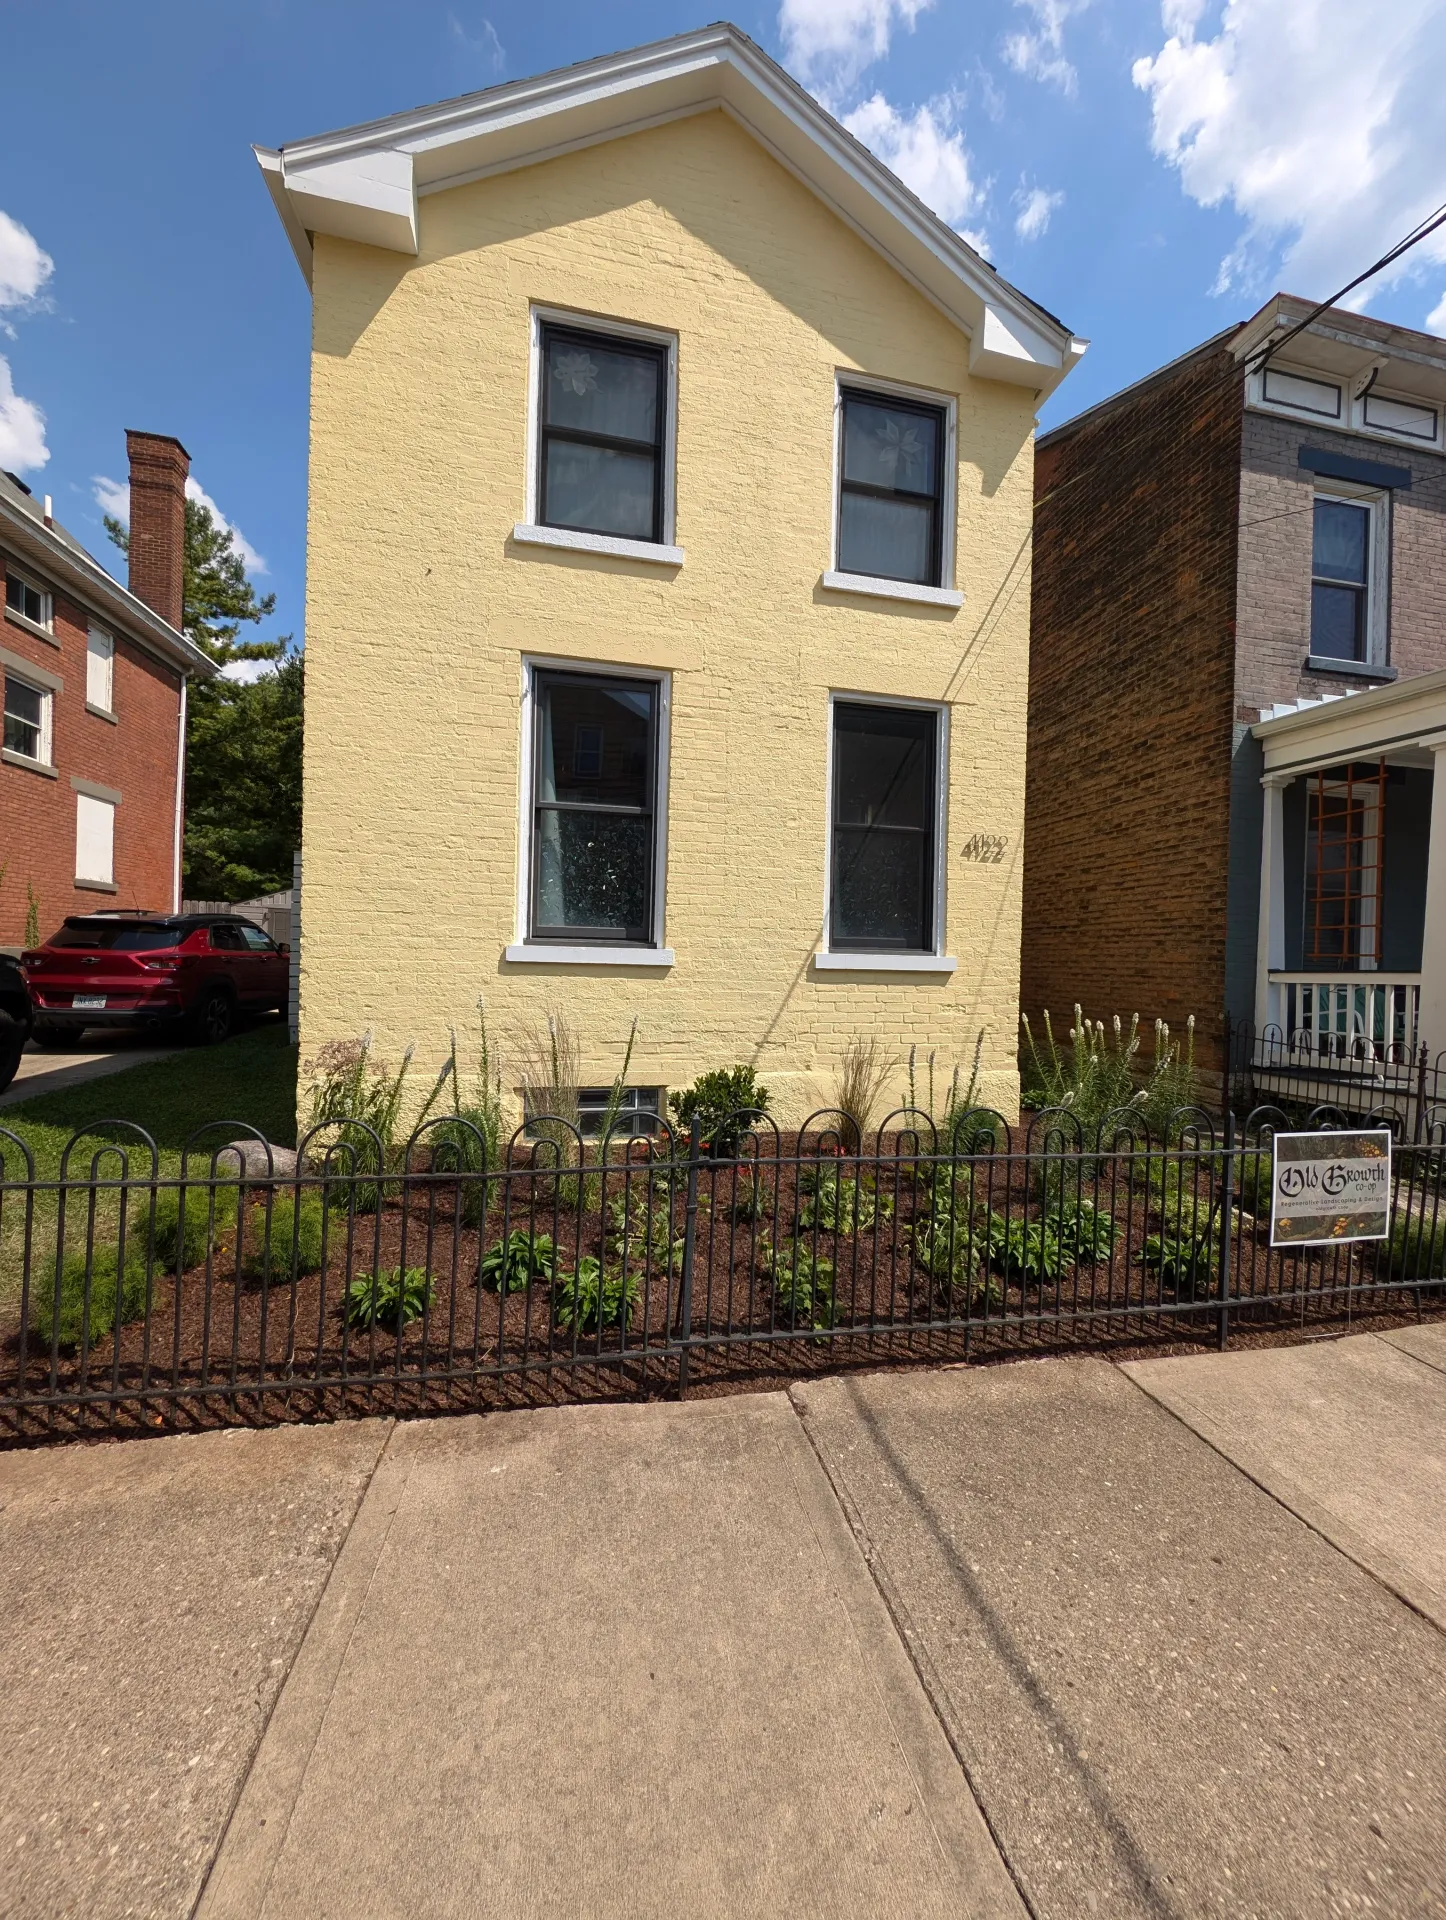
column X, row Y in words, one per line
column 667, row 602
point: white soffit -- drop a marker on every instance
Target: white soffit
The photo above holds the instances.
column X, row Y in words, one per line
column 364, row 182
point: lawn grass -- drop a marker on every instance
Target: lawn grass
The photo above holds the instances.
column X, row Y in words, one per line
column 250, row 1080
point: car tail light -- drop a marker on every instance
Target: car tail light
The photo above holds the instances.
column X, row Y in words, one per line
column 167, row 965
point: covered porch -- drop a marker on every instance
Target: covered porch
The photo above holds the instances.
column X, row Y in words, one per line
column 1351, row 940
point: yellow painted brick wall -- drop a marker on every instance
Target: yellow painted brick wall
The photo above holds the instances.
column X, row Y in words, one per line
column 420, row 610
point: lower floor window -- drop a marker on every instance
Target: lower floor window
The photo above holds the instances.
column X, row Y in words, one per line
column 94, row 839
column 27, row 720
column 594, row 825
column 884, row 811
column 1344, row 866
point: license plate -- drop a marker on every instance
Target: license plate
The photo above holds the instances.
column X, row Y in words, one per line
column 88, row 1000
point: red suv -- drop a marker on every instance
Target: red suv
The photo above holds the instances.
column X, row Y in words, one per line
column 180, row 971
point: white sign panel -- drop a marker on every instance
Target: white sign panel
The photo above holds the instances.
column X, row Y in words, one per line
column 1329, row 1188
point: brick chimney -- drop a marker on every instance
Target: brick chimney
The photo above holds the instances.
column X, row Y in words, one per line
column 159, row 466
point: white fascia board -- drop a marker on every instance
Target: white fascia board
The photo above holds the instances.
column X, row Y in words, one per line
column 363, row 182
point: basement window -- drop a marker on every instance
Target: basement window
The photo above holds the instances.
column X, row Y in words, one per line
column 27, row 601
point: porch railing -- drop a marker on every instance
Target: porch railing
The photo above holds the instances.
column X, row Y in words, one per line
column 1346, row 1016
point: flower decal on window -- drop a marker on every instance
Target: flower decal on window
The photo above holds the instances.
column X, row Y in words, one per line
column 576, row 371
column 898, row 447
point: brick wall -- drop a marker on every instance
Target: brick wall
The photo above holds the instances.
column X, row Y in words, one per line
column 134, row 755
column 1130, row 704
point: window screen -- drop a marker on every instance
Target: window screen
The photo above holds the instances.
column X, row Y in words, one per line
column 885, row 773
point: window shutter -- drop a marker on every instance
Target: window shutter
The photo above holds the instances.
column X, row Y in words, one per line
column 94, row 839
column 99, row 668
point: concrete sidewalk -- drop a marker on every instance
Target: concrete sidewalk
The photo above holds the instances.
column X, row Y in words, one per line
column 972, row 1642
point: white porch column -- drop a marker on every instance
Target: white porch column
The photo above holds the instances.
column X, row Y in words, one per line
column 1433, row 940
column 1270, row 929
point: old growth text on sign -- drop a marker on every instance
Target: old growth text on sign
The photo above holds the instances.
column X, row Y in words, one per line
column 1330, row 1187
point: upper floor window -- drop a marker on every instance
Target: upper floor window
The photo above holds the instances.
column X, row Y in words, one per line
column 24, row 598
column 1347, row 593
column 99, row 669
column 27, row 720
column 602, row 421
column 595, row 767
column 891, row 488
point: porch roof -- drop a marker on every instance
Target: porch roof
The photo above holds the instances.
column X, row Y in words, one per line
column 1402, row 722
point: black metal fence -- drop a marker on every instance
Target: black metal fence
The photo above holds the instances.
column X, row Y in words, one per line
column 363, row 1281
column 1352, row 1073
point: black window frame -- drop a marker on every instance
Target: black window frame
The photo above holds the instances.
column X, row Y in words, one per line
column 538, row 933
column 938, row 412
column 550, row 331
column 930, row 832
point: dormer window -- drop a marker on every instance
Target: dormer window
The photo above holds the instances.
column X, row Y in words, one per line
column 1302, row 394
column 1412, row 418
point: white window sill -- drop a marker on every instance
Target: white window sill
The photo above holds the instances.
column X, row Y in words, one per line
column 877, row 589
column 885, row 963
column 31, row 626
column 101, row 713
column 30, row 766
column 96, row 886
column 651, row 550
column 528, row 954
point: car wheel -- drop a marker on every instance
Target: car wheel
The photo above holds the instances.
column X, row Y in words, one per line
column 12, row 1045
column 56, row 1039
column 215, row 1017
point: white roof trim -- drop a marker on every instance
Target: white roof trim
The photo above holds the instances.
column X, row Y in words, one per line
column 363, row 183
column 1342, row 727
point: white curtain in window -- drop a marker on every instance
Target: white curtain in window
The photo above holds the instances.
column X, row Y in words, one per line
column 94, row 839
column 551, row 911
column 99, row 668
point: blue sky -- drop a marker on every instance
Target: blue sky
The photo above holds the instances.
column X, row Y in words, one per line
column 1147, row 171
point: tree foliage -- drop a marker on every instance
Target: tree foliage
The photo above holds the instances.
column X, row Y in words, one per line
column 243, row 740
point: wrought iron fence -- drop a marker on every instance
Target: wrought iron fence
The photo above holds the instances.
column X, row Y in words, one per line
column 226, row 1288
column 1353, row 1073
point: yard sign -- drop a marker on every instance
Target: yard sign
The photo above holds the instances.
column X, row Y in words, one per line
column 1330, row 1187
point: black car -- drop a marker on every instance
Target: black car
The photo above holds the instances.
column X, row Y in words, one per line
column 16, row 1018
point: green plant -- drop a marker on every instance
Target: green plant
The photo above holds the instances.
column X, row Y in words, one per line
column 184, row 1235
column 388, row 1298
column 1101, row 1072
column 1084, row 1231
column 1418, row 1247
column 838, row 1203
column 289, row 1242
column 1029, row 1251
column 750, row 1198
column 947, row 1248
column 864, row 1070
column 803, row 1283
column 348, row 1085
column 59, row 1316
column 550, row 1072
column 717, row 1099
column 1186, row 1251
column 521, row 1258
column 32, row 916
column 642, row 1234
column 590, row 1299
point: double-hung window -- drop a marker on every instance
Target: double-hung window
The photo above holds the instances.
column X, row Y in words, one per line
column 891, row 503
column 602, row 426
column 884, row 827
column 594, row 845
column 27, row 601
column 1348, row 595
column 27, row 720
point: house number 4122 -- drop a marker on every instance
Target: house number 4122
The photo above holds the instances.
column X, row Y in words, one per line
column 985, row 849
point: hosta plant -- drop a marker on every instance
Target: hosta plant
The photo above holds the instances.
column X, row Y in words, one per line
column 390, row 1297
column 508, row 1266
column 590, row 1298
column 802, row 1286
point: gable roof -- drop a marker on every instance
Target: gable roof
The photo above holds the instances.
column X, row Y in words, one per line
column 363, row 183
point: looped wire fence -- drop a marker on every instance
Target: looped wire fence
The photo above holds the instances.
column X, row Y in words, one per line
column 251, row 1285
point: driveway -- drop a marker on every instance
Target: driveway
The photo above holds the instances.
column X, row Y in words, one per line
column 987, row 1641
column 42, row 1071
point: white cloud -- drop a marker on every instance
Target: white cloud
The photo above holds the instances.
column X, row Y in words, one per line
column 1436, row 318
column 832, row 41
column 1038, row 52
column 482, row 45
column 114, row 497
column 24, row 266
column 1319, row 122
column 1035, row 209
column 22, row 427
column 246, row 672
column 927, row 151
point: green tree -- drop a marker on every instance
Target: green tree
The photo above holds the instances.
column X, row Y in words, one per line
column 243, row 741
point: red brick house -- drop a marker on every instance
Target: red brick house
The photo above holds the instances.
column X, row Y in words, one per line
column 1235, row 712
column 92, row 764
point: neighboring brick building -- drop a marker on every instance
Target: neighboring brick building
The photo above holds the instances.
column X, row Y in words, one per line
column 1226, row 541
column 91, row 771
